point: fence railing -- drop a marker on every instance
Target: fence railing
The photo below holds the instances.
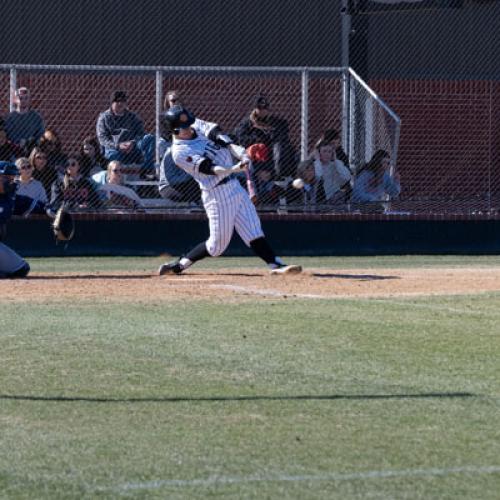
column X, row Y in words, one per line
column 309, row 100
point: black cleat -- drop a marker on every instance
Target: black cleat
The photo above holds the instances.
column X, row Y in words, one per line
column 173, row 267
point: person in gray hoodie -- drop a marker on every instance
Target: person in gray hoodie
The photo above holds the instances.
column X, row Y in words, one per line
column 121, row 134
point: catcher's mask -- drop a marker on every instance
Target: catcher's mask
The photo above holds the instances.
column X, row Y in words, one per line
column 63, row 226
column 178, row 117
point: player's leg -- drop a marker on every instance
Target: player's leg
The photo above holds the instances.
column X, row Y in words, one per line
column 248, row 226
column 221, row 210
column 12, row 265
column 199, row 252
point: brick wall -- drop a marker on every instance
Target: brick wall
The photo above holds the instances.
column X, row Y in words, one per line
column 450, row 136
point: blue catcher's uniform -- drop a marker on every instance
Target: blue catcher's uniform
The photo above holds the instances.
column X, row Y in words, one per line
column 11, row 264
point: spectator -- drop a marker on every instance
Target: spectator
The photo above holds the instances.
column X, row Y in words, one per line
column 91, row 157
column 42, row 171
column 8, row 151
column 263, row 127
column 331, row 136
column 115, row 193
column 31, row 196
column 121, row 133
column 313, row 192
column 336, row 176
column 268, row 192
column 52, row 147
column 374, row 182
column 175, row 184
column 172, row 98
column 24, row 126
column 74, row 190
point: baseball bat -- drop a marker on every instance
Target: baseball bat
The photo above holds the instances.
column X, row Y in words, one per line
column 240, row 153
column 251, row 187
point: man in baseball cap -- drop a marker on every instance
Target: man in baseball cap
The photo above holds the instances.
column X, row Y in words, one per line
column 261, row 102
column 118, row 96
column 121, row 134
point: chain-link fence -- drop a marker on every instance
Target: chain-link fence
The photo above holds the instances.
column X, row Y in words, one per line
column 322, row 120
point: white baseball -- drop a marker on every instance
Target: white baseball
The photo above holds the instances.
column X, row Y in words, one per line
column 298, row 183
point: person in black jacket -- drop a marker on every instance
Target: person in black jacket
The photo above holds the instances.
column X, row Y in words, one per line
column 73, row 189
column 263, row 127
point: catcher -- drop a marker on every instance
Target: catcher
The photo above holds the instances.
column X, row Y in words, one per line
column 11, row 264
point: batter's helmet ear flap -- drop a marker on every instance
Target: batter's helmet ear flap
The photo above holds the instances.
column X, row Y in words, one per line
column 178, row 117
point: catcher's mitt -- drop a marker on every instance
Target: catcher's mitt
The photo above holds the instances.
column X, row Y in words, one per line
column 63, row 225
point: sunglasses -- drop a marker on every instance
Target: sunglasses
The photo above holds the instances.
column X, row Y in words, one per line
column 72, row 164
column 116, row 171
column 26, row 167
column 40, row 157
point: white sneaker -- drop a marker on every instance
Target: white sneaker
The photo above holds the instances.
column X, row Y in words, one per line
column 292, row 269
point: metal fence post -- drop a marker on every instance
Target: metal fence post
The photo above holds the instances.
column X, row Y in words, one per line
column 304, row 118
column 13, row 87
column 345, row 111
column 158, row 110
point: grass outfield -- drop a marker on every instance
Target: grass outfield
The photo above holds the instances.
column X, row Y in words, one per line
column 303, row 399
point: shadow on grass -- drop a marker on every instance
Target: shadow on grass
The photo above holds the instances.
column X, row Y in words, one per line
column 180, row 399
column 74, row 276
column 359, row 277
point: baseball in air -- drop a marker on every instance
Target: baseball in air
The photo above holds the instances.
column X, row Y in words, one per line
column 298, row 183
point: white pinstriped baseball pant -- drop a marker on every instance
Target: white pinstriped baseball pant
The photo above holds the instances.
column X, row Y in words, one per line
column 228, row 207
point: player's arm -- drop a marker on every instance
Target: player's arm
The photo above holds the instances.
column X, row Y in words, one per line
column 204, row 165
column 208, row 167
column 208, row 129
column 219, row 137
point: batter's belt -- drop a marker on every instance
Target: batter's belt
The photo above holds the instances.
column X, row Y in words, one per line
column 225, row 180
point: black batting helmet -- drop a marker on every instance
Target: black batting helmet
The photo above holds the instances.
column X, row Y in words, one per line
column 178, row 117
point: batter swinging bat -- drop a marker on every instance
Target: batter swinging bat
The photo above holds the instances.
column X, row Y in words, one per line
column 240, row 153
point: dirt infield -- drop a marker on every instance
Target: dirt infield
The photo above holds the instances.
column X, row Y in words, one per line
column 239, row 284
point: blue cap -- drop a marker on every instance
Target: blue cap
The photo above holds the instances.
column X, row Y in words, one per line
column 8, row 168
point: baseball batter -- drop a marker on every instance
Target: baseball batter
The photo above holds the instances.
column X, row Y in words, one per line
column 11, row 264
column 226, row 203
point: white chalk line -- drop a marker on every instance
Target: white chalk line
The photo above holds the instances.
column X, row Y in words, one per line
column 270, row 292
column 354, row 476
column 250, row 290
column 184, row 281
column 266, row 292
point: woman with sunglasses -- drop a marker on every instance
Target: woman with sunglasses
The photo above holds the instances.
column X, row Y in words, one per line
column 52, row 147
column 116, row 194
column 73, row 189
column 92, row 160
column 30, row 196
column 41, row 170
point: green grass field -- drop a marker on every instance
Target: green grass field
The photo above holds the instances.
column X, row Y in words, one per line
column 302, row 399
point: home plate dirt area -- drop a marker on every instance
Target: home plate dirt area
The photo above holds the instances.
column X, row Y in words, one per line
column 244, row 283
